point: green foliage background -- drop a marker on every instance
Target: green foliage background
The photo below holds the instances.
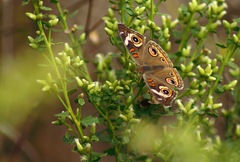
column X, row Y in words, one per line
column 130, row 128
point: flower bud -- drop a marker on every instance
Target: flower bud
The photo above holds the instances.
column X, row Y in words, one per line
column 221, row 14
column 110, row 13
column 49, row 78
column 109, row 31
column 82, row 37
column 200, row 70
column 208, row 70
column 133, row 120
column 191, row 74
column 216, row 106
column 173, row 23
column 31, row 40
column 130, row 114
column 193, row 84
column 167, row 46
column 55, row 88
column 58, row 61
column 202, row 32
column 237, row 130
column 108, row 24
column 189, row 104
column 183, row 68
column 215, row 25
column 46, row 88
column 191, row 111
column 93, row 129
column 79, row 82
column 193, row 92
column 200, row 6
column 31, row 16
column 224, row 112
column 33, row 45
column 53, row 22
column 166, row 34
column 226, row 24
column 56, row 122
column 189, row 67
column 71, row 73
column 124, row 118
column 79, row 146
column 234, row 72
column 86, row 138
column 202, row 92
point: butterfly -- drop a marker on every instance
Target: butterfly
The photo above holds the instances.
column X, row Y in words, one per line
column 155, row 65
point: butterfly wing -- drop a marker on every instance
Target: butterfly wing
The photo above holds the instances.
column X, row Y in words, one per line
column 162, row 82
column 154, row 55
column 133, row 41
column 163, row 93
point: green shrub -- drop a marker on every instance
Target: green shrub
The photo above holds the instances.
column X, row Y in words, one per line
column 132, row 131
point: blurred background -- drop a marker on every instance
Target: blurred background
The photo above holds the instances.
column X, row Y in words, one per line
column 26, row 113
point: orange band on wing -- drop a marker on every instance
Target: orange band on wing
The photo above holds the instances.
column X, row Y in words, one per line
column 150, row 80
column 135, row 55
column 131, row 50
column 152, row 84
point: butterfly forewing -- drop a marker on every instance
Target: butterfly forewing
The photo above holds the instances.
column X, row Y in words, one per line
column 133, row 41
column 154, row 55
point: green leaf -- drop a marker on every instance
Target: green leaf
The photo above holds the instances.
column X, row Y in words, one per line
column 42, row 48
column 112, row 2
column 219, row 89
column 89, row 120
column 63, row 114
column 229, row 42
column 115, row 55
column 79, row 27
column 45, row 8
column 39, row 39
column 236, row 28
column 143, row 157
column 212, row 114
column 72, row 14
column 53, row 1
column 72, row 91
column 69, row 139
column 94, row 98
column 146, row 96
column 125, row 139
column 123, row 157
column 110, row 151
column 114, row 142
column 177, row 34
column 221, row 45
column 104, row 138
column 100, row 132
column 81, row 101
column 97, row 156
column 236, row 20
column 129, row 11
column 25, row 2
column 95, row 138
column 112, row 107
column 231, row 64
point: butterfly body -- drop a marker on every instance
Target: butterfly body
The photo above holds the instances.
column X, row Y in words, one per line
column 154, row 64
